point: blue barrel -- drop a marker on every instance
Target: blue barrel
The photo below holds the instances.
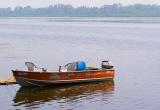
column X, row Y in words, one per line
column 81, row 65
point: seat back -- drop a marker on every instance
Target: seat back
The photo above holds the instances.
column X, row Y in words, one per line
column 30, row 66
column 71, row 66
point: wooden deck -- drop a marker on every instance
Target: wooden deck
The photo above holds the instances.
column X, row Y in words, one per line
column 7, row 80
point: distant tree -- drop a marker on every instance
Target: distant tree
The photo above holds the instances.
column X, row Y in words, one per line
column 5, row 11
column 59, row 10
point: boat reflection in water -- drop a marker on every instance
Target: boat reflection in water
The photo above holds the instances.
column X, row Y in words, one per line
column 35, row 96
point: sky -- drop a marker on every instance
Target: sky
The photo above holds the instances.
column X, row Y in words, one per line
column 75, row 3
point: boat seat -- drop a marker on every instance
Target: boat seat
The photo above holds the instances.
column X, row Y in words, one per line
column 30, row 66
column 71, row 66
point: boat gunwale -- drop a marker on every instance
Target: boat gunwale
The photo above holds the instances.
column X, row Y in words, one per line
column 64, row 72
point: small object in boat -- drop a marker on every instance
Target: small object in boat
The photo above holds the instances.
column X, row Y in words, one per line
column 81, row 65
column 62, row 69
column 44, row 70
column 91, row 68
column 107, row 64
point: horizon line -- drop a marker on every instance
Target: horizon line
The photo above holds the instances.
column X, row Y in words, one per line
column 121, row 4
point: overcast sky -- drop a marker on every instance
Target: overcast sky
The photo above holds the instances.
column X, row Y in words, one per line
column 75, row 3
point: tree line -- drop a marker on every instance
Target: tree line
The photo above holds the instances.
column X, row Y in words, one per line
column 60, row 10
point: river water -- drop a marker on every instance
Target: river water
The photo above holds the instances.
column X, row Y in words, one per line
column 132, row 44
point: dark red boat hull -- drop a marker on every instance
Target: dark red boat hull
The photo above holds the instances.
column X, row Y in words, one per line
column 26, row 78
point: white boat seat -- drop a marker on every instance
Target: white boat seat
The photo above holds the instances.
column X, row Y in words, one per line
column 30, row 66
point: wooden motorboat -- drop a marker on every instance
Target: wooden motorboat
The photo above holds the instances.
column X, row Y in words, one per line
column 70, row 76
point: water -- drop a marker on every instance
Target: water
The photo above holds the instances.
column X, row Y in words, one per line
column 133, row 45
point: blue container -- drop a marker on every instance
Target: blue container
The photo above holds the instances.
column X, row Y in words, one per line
column 81, row 65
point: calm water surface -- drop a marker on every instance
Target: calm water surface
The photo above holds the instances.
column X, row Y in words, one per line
column 133, row 45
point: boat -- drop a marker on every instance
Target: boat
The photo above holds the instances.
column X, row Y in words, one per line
column 72, row 73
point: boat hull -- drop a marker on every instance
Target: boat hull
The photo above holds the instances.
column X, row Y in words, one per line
column 26, row 78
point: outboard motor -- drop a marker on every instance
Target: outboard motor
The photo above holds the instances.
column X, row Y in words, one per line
column 106, row 65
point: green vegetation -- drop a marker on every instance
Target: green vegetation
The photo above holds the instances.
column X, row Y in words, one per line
column 59, row 10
